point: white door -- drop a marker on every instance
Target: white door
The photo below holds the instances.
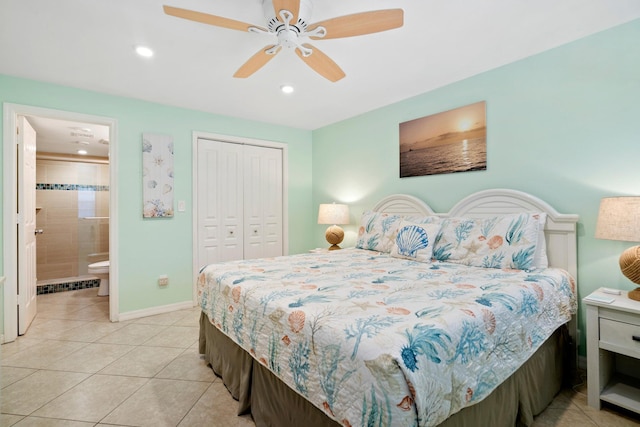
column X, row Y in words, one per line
column 240, row 199
column 262, row 202
column 219, row 192
column 27, row 282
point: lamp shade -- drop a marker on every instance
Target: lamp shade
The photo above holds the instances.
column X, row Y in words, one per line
column 333, row 213
column 619, row 219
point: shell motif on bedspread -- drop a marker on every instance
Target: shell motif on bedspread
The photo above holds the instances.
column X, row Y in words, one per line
column 411, row 239
column 400, row 353
column 296, row 320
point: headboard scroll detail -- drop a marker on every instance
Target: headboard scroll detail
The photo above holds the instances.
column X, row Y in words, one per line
column 403, row 204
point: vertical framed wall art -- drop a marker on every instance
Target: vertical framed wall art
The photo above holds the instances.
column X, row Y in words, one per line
column 447, row 142
column 157, row 175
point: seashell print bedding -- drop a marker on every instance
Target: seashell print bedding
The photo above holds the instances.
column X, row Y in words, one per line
column 376, row 340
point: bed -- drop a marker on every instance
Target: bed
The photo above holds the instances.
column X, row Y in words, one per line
column 377, row 338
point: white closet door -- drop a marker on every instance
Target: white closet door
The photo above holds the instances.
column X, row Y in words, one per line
column 220, row 210
column 262, row 202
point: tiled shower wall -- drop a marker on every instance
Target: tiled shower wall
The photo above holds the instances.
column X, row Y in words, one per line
column 72, row 200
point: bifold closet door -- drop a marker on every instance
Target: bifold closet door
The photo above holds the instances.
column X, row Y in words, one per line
column 220, row 202
column 239, row 193
column 262, row 202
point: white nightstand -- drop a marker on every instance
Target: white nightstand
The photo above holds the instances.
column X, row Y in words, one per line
column 319, row 251
column 613, row 350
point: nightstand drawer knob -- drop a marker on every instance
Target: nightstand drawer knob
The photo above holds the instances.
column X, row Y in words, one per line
column 635, row 338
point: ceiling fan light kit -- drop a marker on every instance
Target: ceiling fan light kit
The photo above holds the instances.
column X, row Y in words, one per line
column 288, row 22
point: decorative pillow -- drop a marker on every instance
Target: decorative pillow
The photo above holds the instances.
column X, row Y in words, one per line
column 377, row 230
column 508, row 241
column 419, row 219
column 415, row 241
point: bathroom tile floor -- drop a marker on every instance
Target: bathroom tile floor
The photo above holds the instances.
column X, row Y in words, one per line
column 74, row 368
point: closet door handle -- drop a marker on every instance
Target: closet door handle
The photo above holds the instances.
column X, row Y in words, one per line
column 635, row 337
column 38, row 231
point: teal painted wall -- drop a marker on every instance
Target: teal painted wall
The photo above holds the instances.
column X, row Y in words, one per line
column 562, row 125
column 150, row 247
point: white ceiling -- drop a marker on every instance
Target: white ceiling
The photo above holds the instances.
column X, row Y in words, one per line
column 67, row 137
column 88, row 44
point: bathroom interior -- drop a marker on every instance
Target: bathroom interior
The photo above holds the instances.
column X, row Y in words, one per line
column 72, row 206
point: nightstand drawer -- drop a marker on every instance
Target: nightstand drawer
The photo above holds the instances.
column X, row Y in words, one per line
column 619, row 337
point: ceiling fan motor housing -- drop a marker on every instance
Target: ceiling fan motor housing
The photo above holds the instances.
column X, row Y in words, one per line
column 275, row 25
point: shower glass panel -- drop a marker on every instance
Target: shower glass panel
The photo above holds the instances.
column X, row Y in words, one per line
column 93, row 215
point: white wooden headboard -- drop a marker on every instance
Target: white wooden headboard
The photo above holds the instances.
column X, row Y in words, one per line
column 560, row 229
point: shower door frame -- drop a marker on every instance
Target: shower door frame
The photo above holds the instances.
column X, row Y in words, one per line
column 10, row 218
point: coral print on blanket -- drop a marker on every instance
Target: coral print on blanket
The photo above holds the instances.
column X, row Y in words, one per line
column 373, row 340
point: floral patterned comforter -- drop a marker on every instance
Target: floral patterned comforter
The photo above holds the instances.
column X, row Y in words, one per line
column 379, row 341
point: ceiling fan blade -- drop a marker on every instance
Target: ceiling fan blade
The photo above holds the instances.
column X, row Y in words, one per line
column 205, row 18
column 256, row 62
column 360, row 23
column 321, row 64
column 292, row 6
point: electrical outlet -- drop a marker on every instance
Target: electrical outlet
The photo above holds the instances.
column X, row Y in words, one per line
column 163, row 280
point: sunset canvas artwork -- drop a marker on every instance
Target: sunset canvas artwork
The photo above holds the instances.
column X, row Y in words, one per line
column 447, row 142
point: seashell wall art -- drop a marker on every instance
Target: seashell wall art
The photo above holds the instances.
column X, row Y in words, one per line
column 157, row 175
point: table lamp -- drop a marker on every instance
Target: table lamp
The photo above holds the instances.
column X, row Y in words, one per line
column 619, row 219
column 333, row 213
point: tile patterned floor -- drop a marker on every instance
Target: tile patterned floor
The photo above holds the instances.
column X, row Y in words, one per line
column 74, row 368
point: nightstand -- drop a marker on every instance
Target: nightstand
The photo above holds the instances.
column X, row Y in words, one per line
column 327, row 251
column 319, row 251
column 613, row 350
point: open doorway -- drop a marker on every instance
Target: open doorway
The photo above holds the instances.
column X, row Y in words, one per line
column 75, row 207
column 72, row 204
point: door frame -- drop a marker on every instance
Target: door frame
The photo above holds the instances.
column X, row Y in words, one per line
column 10, row 206
column 194, row 188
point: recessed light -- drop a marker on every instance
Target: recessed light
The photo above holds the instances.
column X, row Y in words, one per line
column 286, row 89
column 144, row 51
column 82, row 152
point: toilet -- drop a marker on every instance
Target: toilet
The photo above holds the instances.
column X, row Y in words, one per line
column 101, row 271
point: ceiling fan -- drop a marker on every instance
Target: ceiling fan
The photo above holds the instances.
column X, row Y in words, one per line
column 288, row 21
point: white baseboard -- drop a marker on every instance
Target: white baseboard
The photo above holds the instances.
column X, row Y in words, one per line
column 152, row 311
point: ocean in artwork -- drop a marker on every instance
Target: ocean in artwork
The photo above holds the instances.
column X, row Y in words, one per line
column 463, row 156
